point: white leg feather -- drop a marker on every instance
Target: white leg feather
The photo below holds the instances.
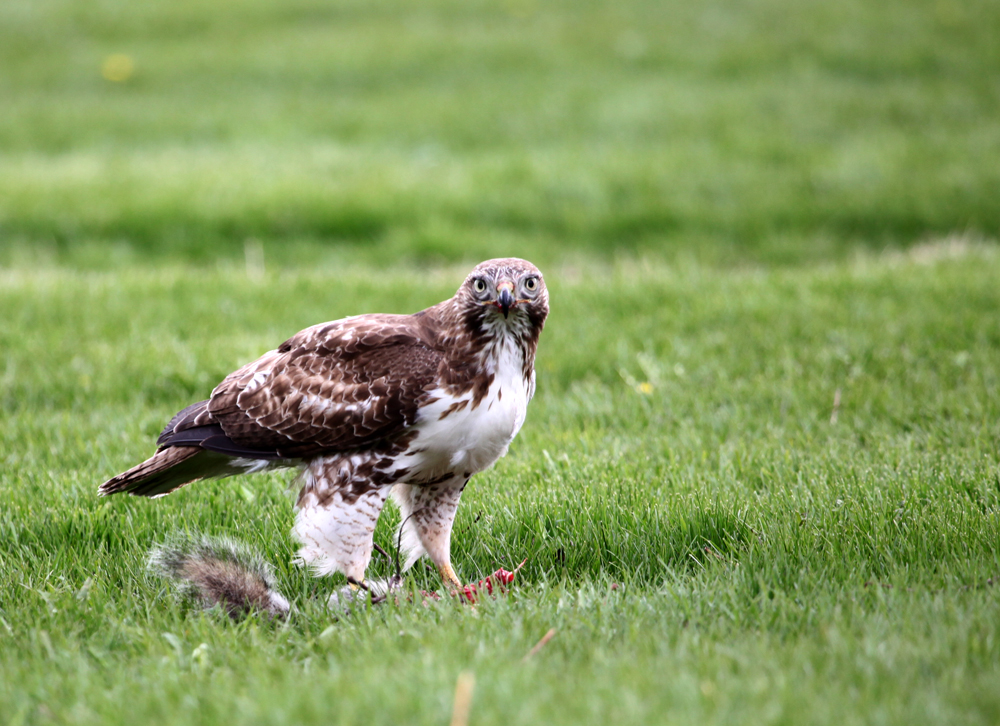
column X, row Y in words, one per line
column 336, row 523
column 428, row 513
column 338, row 537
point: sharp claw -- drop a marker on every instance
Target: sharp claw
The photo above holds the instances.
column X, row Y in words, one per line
column 357, row 584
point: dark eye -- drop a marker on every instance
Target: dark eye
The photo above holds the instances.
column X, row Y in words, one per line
column 479, row 285
column 531, row 284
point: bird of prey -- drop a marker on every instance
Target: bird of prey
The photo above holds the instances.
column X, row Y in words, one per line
column 412, row 405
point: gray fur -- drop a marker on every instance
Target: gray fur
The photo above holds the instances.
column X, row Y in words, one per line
column 219, row 571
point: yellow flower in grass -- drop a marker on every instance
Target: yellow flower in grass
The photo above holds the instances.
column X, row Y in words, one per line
column 117, row 68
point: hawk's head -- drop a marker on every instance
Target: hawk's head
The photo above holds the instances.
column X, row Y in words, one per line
column 508, row 292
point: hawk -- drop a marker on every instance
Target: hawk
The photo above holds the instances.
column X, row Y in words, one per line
column 372, row 405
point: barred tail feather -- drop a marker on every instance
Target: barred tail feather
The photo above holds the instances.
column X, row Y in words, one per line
column 222, row 572
column 168, row 470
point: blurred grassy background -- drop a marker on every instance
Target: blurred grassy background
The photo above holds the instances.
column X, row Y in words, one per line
column 749, row 131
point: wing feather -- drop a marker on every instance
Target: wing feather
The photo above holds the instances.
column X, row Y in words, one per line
column 333, row 387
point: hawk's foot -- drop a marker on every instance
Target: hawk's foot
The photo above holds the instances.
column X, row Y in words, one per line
column 363, row 591
column 450, row 578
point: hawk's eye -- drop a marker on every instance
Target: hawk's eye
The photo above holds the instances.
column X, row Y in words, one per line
column 479, row 284
column 531, row 284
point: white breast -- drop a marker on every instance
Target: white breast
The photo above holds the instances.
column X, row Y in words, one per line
column 470, row 440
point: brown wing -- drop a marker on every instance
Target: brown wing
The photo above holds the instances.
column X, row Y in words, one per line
column 354, row 383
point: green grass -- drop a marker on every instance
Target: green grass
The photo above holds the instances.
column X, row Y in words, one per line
column 767, row 406
column 774, row 565
column 752, row 131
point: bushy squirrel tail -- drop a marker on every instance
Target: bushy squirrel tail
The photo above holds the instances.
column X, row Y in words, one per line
column 219, row 571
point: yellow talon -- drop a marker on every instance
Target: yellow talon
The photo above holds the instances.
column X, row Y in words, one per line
column 450, row 578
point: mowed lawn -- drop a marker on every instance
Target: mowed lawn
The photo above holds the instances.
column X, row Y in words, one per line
column 760, row 481
column 778, row 557
column 338, row 130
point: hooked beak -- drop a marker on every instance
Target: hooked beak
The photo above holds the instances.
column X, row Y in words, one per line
column 505, row 297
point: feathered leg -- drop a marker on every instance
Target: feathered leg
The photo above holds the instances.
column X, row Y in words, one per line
column 339, row 506
column 428, row 514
